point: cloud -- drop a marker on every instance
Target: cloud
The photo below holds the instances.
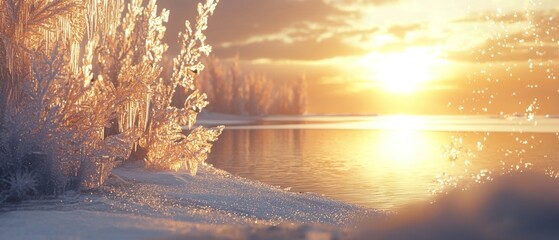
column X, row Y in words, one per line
column 490, row 51
column 515, row 37
column 402, row 45
column 492, row 16
column 301, row 50
column 240, row 20
column 276, row 29
column 359, row 4
column 401, row 31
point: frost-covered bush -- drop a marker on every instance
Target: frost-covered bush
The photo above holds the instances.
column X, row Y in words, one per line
column 230, row 91
column 19, row 185
column 82, row 89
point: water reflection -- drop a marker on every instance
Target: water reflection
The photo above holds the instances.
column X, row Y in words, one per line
column 403, row 148
column 380, row 169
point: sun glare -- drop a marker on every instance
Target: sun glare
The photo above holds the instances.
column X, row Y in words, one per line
column 403, row 72
column 402, row 142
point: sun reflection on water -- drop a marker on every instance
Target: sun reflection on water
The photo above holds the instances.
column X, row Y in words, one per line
column 401, row 143
column 394, row 164
column 404, row 148
column 399, row 161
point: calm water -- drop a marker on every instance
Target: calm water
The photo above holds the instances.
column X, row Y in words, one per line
column 380, row 168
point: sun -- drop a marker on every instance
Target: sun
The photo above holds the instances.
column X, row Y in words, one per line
column 402, row 72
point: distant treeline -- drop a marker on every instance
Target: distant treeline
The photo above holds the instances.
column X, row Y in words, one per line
column 231, row 91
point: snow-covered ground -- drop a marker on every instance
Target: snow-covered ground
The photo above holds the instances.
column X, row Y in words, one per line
column 137, row 204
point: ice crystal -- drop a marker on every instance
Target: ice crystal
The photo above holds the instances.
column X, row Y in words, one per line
column 531, row 111
column 453, row 150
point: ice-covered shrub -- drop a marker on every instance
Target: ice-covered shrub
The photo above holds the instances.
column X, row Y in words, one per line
column 232, row 92
column 82, row 89
column 19, row 185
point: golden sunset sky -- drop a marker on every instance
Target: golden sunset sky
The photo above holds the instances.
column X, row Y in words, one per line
column 395, row 56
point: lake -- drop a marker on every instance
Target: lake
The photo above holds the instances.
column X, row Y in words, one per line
column 384, row 162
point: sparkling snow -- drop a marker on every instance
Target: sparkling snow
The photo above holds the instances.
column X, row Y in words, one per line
column 139, row 204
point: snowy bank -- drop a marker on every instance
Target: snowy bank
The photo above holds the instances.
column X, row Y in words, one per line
column 137, row 204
